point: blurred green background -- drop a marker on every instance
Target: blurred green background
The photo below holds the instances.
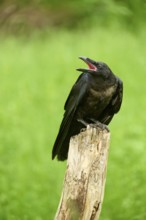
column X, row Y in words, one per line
column 40, row 42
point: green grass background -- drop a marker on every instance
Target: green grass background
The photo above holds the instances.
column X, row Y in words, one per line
column 36, row 75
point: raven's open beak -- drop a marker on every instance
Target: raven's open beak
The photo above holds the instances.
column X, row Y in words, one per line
column 91, row 64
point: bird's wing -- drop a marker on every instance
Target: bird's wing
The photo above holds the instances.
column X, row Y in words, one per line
column 114, row 104
column 117, row 98
column 75, row 97
column 77, row 92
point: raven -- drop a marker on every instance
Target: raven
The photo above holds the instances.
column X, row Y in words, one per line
column 94, row 98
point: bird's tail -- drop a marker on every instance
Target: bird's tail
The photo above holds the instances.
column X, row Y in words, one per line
column 61, row 145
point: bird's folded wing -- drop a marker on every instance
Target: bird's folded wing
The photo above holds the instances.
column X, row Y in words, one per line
column 75, row 97
column 114, row 105
column 117, row 99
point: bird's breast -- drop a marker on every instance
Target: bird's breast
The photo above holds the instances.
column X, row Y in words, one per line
column 107, row 92
column 95, row 102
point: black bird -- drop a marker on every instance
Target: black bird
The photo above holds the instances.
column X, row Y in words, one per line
column 95, row 97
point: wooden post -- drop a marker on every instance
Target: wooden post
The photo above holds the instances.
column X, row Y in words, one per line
column 85, row 176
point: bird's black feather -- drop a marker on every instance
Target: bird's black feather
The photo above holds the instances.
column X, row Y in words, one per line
column 73, row 101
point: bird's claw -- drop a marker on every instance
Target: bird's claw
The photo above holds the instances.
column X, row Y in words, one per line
column 94, row 124
column 99, row 124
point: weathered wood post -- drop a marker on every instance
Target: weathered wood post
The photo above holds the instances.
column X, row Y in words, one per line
column 85, row 176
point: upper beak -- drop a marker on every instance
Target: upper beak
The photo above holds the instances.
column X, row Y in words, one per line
column 90, row 63
column 83, row 58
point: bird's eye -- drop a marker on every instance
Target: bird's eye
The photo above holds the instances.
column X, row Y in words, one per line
column 99, row 66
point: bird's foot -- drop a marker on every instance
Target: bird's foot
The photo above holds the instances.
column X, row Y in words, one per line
column 99, row 124
column 83, row 122
column 93, row 123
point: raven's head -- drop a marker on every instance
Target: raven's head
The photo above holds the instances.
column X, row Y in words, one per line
column 95, row 67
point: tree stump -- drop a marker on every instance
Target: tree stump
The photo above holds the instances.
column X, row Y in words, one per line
column 85, row 176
